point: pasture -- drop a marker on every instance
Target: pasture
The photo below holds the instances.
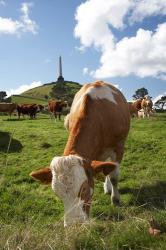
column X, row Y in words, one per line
column 31, row 216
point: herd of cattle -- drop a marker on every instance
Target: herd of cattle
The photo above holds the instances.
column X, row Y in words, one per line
column 142, row 107
column 54, row 107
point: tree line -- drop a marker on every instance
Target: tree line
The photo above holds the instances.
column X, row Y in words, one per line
column 57, row 90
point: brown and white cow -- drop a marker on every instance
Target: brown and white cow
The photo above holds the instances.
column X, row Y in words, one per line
column 135, row 107
column 8, row 107
column 147, row 105
column 56, row 108
column 98, row 124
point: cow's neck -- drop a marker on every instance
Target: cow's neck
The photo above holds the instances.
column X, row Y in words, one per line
column 83, row 143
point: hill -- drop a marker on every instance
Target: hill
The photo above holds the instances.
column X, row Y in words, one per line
column 42, row 93
column 20, row 99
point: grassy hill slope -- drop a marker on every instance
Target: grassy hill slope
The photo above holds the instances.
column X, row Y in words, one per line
column 45, row 90
column 20, row 99
column 41, row 94
column 31, row 215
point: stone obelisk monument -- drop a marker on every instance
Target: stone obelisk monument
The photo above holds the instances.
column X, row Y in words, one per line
column 60, row 78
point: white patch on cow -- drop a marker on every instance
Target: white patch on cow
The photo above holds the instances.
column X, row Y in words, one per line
column 68, row 176
column 141, row 113
column 109, row 188
column 103, row 92
column 107, row 185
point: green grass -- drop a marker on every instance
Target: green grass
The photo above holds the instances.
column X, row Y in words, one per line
column 19, row 99
column 40, row 91
column 31, row 216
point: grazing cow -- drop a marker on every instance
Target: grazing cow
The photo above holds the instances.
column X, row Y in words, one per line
column 8, row 107
column 29, row 109
column 147, row 105
column 56, row 107
column 135, row 107
column 98, row 124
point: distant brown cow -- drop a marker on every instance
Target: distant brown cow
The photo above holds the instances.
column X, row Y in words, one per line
column 8, row 107
column 56, row 107
column 135, row 107
column 147, row 105
column 29, row 109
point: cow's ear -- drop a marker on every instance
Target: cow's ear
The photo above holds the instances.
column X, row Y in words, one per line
column 105, row 167
column 44, row 175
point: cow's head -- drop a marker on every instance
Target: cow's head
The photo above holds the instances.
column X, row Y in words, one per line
column 72, row 181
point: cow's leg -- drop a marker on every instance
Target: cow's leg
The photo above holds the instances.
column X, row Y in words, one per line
column 55, row 115
column 107, row 185
column 19, row 115
column 111, row 181
column 111, row 186
column 59, row 116
column 114, row 178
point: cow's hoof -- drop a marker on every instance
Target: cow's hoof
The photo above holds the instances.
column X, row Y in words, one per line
column 115, row 201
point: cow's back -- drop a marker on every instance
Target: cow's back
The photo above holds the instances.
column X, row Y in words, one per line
column 7, row 107
column 99, row 113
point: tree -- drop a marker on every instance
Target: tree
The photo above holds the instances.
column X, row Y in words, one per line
column 140, row 93
column 161, row 102
column 2, row 95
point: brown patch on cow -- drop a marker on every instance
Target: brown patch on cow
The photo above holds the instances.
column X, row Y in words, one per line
column 105, row 167
column 44, row 175
column 99, row 84
column 85, row 195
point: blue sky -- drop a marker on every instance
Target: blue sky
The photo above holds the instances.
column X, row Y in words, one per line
column 121, row 42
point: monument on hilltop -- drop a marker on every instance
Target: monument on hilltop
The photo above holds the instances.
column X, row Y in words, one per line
column 60, row 78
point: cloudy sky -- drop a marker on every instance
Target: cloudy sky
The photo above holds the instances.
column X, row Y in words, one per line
column 122, row 42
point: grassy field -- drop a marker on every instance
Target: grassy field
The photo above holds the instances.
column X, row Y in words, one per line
column 19, row 99
column 31, row 216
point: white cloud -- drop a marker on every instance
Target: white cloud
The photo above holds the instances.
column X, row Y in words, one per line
column 23, row 88
column 143, row 54
column 85, row 71
column 22, row 25
column 8, row 26
column 2, row 2
column 47, row 60
column 158, row 97
column 28, row 24
column 146, row 8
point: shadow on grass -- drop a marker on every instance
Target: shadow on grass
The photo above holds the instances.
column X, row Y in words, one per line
column 5, row 140
column 150, row 196
column 13, row 119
